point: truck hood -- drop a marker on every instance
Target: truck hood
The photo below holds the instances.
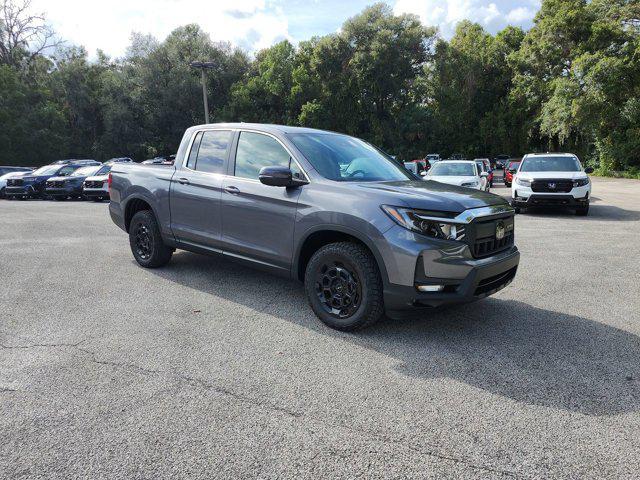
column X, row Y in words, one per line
column 430, row 195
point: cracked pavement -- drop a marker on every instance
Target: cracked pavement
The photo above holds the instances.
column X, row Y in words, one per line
column 206, row 368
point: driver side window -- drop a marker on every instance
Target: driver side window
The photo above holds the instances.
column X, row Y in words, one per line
column 256, row 150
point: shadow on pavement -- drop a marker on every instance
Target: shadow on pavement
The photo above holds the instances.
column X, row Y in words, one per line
column 530, row 355
column 596, row 212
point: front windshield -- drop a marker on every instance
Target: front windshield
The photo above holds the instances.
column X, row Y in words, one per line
column 85, row 171
column 103, row 170
column 450, row 169
column 514, row 165
column 550, row 164
column 346, row 159
column 46, row 170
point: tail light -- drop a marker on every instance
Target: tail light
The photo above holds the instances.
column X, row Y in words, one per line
column 109, row 183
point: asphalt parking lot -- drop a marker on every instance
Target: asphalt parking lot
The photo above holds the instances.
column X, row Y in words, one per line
column 206, row 369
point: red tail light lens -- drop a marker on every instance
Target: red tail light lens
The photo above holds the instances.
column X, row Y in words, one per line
column 109, row 183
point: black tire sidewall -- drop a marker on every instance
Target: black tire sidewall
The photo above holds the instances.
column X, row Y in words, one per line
column 362, row 316
column 160, row 253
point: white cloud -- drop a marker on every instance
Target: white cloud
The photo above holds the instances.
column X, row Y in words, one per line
column 107, row 25
column 521, row 14
column 445, row 14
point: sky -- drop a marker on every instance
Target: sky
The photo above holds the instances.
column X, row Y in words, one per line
column 255, row 24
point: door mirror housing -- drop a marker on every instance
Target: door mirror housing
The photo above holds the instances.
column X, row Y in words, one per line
column 588, row 170
column 423, row 173
column 484, row 174
column 279, row 177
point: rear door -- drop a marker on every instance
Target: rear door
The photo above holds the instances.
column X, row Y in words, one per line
column 196, row 190
column 258, row 220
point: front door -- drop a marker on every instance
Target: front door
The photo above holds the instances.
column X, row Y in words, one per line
column 258, row 220
column 196, row 190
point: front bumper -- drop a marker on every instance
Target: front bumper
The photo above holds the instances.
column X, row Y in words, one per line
column 21, row 191
column 522, row 196
column 63, row 192
column 482, row 278
column 95, row 193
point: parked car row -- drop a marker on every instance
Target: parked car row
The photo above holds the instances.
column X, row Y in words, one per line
column 62, row 180
column 537, row 179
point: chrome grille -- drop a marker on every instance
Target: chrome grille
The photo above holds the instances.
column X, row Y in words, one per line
column 552, row 185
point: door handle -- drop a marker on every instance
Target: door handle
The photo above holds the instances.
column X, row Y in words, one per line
column 183, row 181
column 232, row 190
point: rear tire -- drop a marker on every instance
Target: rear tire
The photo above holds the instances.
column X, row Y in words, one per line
column 344, row 286
column 146, row 241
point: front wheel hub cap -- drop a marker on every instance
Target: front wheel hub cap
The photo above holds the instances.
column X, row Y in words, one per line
column 338, row 289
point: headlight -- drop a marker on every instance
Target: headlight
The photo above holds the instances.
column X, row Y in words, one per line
column 424, row 223
column 581, row 182
column 469, row 184
column 523, row 181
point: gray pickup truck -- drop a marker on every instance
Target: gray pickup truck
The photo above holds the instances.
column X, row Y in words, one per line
column 365, row 236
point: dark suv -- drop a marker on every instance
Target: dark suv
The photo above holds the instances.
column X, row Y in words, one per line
column 364, row 235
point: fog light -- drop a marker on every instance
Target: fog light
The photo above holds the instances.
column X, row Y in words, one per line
column 430, row 288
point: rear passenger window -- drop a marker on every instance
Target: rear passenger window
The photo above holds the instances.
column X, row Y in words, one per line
column 212, row 151
column 256, row 151
column 191, row 161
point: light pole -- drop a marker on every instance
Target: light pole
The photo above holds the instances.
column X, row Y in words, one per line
column 204, row 66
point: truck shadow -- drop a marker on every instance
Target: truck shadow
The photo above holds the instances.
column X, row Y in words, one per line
column 508, row 348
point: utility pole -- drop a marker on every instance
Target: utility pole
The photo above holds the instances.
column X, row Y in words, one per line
column 204, row 66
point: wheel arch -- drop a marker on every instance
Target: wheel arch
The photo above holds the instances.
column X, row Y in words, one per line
column 322, row 235
column 134, row 204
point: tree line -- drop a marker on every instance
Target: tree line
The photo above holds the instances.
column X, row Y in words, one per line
column 570, row 83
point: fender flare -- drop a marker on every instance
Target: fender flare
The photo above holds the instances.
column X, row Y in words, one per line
column 138, row 195
column 349, row 231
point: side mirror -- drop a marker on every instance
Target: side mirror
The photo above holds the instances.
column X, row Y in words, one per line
column 279, row 177
column 423, row 173
column 588, row 170
column 484, row 174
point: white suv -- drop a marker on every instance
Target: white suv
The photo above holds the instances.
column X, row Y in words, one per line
column 551, row 179
column 96, row 187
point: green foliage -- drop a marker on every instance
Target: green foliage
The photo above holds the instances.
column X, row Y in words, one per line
column 572, row 83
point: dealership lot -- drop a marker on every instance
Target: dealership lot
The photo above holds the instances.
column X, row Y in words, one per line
column 206, row 368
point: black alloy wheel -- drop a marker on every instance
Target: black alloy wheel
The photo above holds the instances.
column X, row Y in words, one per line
column 146, row 241
column 338, row 288
column 143, row 242
column 344, row 286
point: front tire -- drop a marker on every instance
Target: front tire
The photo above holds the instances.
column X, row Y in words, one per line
column 344, row 286
column 146, row 242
